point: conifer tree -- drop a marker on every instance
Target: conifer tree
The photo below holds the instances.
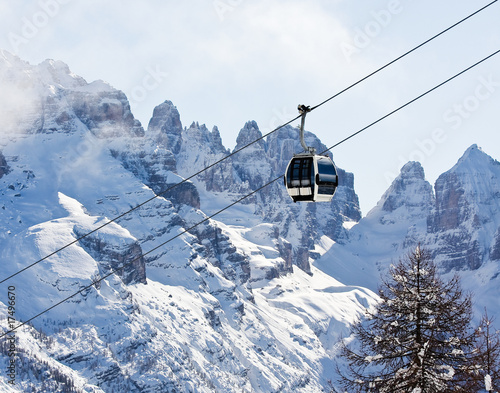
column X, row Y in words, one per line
column 417, row 339
column 487, row 360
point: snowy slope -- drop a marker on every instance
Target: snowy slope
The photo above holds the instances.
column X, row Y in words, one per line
column 219, row 309
column 254, row 162
column 458, row 221
column 467, row 210
column 254, row 299
column 386, row 233
column 467, row 213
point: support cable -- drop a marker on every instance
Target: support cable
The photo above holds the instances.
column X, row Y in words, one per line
column 244, row 197
column 244, row 147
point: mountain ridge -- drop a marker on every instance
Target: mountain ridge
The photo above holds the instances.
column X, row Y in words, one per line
column 226, row 306
column 457, row 220
column 254, row 299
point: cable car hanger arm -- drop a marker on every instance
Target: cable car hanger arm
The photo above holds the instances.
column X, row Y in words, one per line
column 303, row 111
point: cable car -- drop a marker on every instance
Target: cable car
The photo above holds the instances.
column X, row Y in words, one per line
column 310, row 177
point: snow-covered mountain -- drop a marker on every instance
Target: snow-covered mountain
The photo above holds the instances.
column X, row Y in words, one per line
column 254, row 299
column 233, row 305
column 458, row 220
column 465, row 222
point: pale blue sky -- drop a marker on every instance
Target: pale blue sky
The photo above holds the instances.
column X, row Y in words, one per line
column 224, row 62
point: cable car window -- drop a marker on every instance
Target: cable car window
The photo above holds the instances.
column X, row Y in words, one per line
column 305, row 176
column 327, row 189
column 326, row 171
column 300, row 174
column 296, row 173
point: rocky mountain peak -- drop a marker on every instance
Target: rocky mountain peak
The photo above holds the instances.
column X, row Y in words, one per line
column 473, row 181
column 216, row 141
column 476, row 175
column 249, row 133
column 409, row 189
column 198, row 137
column 59, row 73
column 166, row 124
column 466, row 211
column 11, row 61
column 48, row 98
column 413, row 169
column 474, row 159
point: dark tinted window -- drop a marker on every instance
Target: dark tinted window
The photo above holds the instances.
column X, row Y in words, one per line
column 300, row 173
column 326, row 170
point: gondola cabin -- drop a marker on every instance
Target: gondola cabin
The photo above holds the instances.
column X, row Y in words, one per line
column 311, row 178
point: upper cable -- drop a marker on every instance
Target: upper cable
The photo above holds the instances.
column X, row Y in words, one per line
column 244, row 147
column 244, row 197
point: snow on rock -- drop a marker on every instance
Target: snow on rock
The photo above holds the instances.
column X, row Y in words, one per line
column 458, row 221
column 254, row 299
column 409, row 190
column 465, row 220
column 4, row 168
column 395, row 224
column 53, row 99
column 218, row 308
column 301, row 226
column 165, row 126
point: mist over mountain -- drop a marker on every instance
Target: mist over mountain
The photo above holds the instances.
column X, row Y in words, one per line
column 254, row 299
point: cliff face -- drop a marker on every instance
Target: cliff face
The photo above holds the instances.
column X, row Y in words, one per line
column 409, row 191
column 465, row 221
column 262, row 161
column 4, row 168
column 247, row 301
column 188, row 303
column 458, row 221
column 125, row 259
